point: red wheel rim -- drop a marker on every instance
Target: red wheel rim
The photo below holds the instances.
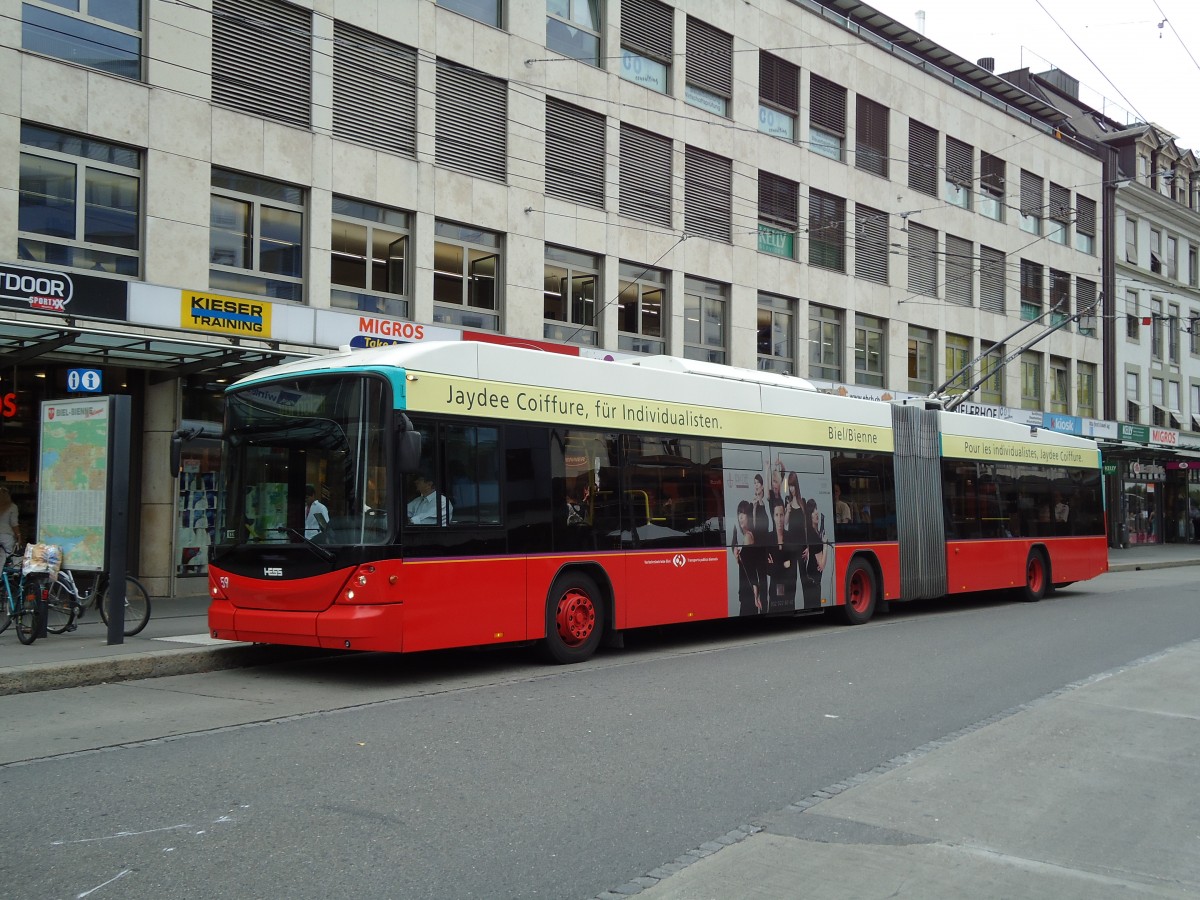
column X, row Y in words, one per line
column 575, row 618
column 859, row 593
column 1035, row 576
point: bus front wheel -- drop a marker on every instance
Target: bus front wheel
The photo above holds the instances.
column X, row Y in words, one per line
column 860, row 593
column 1037, row 577
column 574, row 619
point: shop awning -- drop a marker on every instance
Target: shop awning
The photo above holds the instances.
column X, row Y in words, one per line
column 169, row 356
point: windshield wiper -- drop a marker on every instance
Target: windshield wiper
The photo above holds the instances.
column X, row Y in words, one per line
column 324, row 552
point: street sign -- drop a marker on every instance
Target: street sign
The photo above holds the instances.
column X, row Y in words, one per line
column 84, row 381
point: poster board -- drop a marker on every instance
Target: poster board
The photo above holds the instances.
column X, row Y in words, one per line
column 73, row 480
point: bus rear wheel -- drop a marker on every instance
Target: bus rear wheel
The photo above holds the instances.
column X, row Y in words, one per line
column 574, row 619
column 1037, row 577
column 860, row 593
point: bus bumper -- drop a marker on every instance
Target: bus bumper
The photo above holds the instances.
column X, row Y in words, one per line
column 340, row 627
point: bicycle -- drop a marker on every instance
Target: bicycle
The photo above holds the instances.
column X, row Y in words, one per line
column 21, row 606
column 67, row 603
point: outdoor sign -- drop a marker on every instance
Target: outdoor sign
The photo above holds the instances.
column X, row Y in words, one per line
column 62, row 293
column 73, row 479
column 1138, row 433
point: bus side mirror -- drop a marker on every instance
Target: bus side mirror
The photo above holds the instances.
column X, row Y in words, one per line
column 408, row 446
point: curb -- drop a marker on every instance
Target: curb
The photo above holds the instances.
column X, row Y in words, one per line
column 155, row 664
column 1153, row 564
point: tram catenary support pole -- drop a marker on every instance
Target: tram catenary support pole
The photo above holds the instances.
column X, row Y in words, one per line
column 117, row 518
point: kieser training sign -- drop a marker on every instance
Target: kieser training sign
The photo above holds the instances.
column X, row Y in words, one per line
column 225, row 315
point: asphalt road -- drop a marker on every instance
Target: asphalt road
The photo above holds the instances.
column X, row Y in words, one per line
column 482, row 774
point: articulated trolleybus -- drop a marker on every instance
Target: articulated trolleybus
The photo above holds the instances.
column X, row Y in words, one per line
column 440, row 495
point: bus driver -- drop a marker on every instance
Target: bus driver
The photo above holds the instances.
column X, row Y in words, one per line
column 423, row 509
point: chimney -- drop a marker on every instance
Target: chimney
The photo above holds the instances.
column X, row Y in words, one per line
column 988, row 63
column 921, row 21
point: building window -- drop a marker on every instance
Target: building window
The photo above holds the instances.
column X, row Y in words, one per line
column 958, row 360
column 992, row 283
column 275, row 85
column 1085, row 306
column 1060, row 299
column 922, row 260
column 991, row 369
column 1193, row 267
column 569, row 297
column 778, row 215
column 705, row 305
column 826, row 117
column 870, row 244
column 1085, row 390
column 960, row 271
column 256, row 237
column 1085, row 225
column 824, row 342
column 100, row 34
column 871, row 136
column 708, row 194
column 776, row 334
column 374, row 90
column 826, row 231
column 573, row 29
column 1158, row 409
column 1060, row 385
column 1133, row 317
column 1194, row 333
column 369, row 258
column 1174, row 409
column 1031, row 380
column 489, row 12
column 575, row 153
column 920, row 360
column 642, row 308
column 869, row 350
column 647, row 35
column 1195, row 407
column 991, row 186
column 466, row 276
column 1032, row 296
column 922, row 158
column 1173, row 326
column 1156, row 328
column 1133, row 399
column 709, row 67
column 1031, row 202
column 778, row 96
column 645, row 174
column 1059, row 213
column 1172, row 258
column 471, row 121
column 1156, row 265
column 960, row 172
column 80, row 202
column 1131, row 254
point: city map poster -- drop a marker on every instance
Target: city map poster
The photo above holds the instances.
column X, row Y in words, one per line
column 73, row 481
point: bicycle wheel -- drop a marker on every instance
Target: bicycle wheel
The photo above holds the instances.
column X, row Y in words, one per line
column 61, row 609
column 137, row 606
column 27, row 617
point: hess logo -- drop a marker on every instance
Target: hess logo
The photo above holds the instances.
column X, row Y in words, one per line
column 273, row 571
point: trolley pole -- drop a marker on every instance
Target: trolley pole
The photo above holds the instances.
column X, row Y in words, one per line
column 117, row 519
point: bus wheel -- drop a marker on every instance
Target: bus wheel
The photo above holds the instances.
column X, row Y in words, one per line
column 860, row 593
column 574, row 619
column 1037, row 577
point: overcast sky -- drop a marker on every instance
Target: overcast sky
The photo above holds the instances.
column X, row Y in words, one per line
column 1136, row 71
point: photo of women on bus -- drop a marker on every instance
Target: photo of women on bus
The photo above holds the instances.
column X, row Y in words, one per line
column 796, row 515
column 813, row 558
column 751, row 585
column 782, row 563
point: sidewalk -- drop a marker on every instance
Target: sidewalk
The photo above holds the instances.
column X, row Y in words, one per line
column 176, row 640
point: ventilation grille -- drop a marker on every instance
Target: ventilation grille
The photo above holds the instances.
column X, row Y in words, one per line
column 574, row 153
column 471, row 121
column 708, row 195
column 274, row 85
column 645, row 171
column 374, row 90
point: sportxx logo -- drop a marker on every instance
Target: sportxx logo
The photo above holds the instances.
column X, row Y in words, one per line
column 679, row 560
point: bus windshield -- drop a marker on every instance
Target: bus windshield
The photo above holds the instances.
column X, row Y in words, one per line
column 305, row 462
